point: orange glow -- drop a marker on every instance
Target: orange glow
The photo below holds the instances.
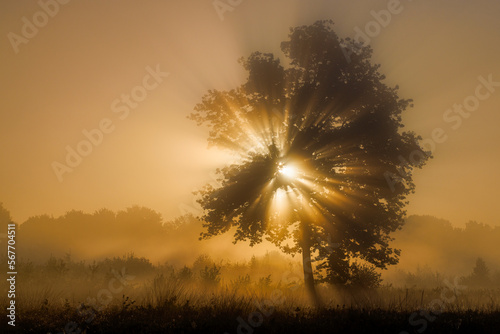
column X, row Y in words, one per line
column 156, row 157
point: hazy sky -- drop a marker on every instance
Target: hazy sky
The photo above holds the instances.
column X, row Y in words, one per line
column 71, row 72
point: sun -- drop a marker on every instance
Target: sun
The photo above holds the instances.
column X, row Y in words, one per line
column 287, row 171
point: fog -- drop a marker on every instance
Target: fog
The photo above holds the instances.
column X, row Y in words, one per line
column 429, row 246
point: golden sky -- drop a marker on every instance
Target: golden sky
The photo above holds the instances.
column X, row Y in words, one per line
column 73, row 72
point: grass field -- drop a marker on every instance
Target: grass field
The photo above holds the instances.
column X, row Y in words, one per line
column 130, row 295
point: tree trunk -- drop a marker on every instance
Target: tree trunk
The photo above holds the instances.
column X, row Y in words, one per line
column 307, row 268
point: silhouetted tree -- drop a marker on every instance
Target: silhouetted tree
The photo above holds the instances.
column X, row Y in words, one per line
column 480, row 269
column 5, row 220
column 321, row 163
column 480, row 275
column 5, row 217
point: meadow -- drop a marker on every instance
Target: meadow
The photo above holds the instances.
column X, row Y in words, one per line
column 129, row 294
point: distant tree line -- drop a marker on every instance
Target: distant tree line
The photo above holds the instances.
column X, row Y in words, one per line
column 426, row 242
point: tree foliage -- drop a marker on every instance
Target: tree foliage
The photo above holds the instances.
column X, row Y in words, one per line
column 480, row 276
column 339, row 125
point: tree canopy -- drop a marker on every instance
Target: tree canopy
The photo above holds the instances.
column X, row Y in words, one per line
column 314, row 141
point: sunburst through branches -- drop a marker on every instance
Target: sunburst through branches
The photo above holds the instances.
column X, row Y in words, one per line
column 314, row 143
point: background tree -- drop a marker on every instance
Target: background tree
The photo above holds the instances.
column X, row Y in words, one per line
column 480, row 276
column 318, row 154
column 5, row 220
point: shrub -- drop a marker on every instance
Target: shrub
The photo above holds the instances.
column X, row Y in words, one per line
column 363, row 276
column 211, row 275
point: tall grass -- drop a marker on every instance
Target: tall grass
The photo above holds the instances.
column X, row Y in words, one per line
column 195, row 296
